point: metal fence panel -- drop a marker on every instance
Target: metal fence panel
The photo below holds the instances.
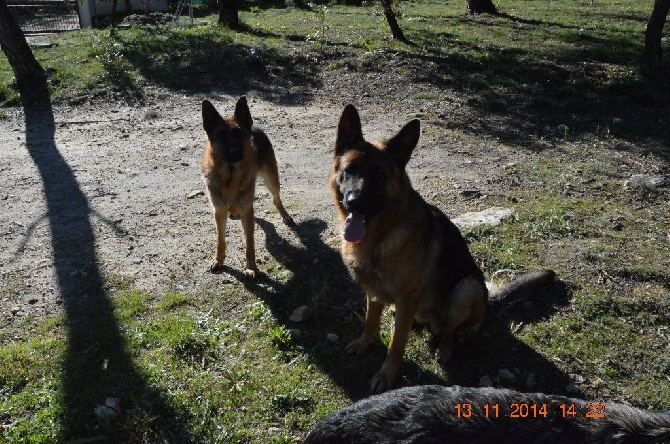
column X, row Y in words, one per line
column 45, row 15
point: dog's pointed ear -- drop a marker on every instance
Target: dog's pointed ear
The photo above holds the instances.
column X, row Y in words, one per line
column 210, row 116
column 402, row 144
column 242, row 113
column 349, row 130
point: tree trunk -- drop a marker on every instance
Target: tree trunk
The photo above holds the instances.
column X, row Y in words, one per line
column 653, row 35
column 392, row 21
column 481, row 7
column 30, row 77
column 114, row 4
column 228, row 13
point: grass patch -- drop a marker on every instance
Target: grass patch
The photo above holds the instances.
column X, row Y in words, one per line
column 572, row 69
column 222, row 376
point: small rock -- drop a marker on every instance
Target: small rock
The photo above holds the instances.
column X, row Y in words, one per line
column 332, row 337
column 274, row 430
column 194, row 194
column 617, row 121
column 493, row 217
column 300, row 314
column 252, row 55
column 562, row 128
column 485, row 381
column 108, row 412
column 577, row 379
column 15, row 310
column 644, row 181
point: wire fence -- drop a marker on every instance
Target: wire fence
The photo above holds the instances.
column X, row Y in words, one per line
column 36, row 16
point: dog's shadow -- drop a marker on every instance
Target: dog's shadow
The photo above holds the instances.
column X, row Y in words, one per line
column 313, row 275
column 497, row 356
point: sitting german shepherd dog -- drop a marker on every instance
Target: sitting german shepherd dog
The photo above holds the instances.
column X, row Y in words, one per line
column 403, row 251
column 436, row 414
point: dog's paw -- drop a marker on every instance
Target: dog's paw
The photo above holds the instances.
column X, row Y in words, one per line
column 384, row 379
column 251, row 273
column 288, row 221
column 358, row 346
column 216, row 266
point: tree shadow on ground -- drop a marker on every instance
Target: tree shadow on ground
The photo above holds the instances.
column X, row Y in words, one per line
column 96, row 365
column 200, row 63
column 321, row 282
column 591, row 87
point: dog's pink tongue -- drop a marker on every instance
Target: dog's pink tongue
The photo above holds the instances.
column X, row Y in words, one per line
column 354, row 228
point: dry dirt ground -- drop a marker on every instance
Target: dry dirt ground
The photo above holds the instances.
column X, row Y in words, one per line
column 137, row 169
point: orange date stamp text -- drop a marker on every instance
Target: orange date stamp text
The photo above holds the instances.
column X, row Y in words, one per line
column 593, row 410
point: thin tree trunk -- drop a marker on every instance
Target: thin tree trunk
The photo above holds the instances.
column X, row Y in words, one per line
column 481, row 7
column 30, row 77
column 228, row 13
column 114, row 4
column 653, row 35
column 392, row 21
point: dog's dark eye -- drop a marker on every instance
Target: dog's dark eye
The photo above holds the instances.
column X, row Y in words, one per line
column 220, row 135
column 348, row 172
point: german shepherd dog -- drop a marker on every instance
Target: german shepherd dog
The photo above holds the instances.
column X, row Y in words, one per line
column 235, row 154
column 403, row 251
column 437, row 414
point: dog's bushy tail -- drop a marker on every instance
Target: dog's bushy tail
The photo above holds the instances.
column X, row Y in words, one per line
column 626, row 424
column 520, row 289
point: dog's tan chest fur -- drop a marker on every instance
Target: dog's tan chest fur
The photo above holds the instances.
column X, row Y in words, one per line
column 228, row 185
column 381, row 267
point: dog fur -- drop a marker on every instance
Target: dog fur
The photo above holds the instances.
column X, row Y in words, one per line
column 411, row 255
column 428, row 415
column 236, row 153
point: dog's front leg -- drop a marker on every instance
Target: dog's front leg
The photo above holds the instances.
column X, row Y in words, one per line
column 220, row 219
column 373, row 316
column 247, row 216
column 386, row 376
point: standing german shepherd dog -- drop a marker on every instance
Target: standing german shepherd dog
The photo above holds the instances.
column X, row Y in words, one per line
column 403, row 251
column 235, row 154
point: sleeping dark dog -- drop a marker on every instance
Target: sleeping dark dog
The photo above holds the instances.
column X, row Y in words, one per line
column 436, row 414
